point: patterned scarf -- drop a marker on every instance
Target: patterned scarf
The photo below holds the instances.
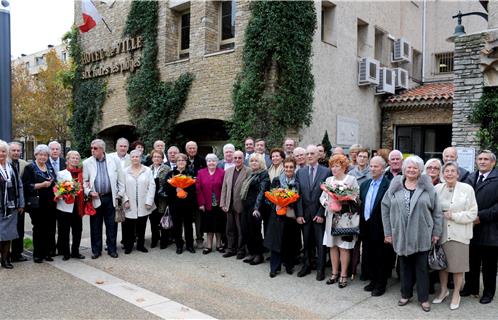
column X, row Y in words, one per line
column 247, row 183
column 77, row 173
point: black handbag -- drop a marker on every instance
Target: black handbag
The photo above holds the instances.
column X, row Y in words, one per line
column 33, row 202
column 437, row 258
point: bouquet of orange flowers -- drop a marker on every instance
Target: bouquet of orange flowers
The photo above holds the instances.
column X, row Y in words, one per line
column 181, row 181
column 282, row 198
column 67, row 190
column 338, row 191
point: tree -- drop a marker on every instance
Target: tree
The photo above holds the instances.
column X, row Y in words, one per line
column 41, row 102
column 326, row 144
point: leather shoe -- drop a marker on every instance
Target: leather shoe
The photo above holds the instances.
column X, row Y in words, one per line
column 127, row 251
column 465, row 292
column 163, row 246
column 66, row 257
column 95, row 255
column 6, row 264
column 273, row 274
column 378, row 292
column 257, row 260
column 248, row 259
column 49, row 258
column 142, row 249
column 153, row 244
column 320, row 275
column 369, row 287
column 37, row 260
column 241, row 256
column 485, row 300
column 20, row 258
column 303, row 272
column 191, row 250
column 229, row 254
column 426, row 308
column 179, row 250
column 289, row 270
column 113, row 254
column 78, row 256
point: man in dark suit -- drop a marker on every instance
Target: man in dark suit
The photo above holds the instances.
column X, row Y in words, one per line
column 377, row 255
column 171, row 158
column 310, row 213
column 483, row 247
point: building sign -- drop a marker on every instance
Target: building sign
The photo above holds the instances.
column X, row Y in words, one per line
column 98, row 63
column 466, row 158
column 347, row 131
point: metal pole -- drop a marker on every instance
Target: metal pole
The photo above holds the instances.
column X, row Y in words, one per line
column 5, row 73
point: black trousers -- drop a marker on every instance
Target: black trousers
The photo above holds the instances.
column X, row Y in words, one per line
column 43, row 220
column 182, row 221
column 487, row 256
column 69, row 222
column 106, row 214
column 414, row 268
column 234, row 232
column 158, row 233
column 376, row 262
column 17, row 245
column 313, row 240
column 134, row 229
column 251, row 232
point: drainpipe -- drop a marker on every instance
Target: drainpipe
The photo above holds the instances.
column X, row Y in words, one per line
column 424, row 30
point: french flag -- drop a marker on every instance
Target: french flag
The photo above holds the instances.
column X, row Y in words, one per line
column 90, row 15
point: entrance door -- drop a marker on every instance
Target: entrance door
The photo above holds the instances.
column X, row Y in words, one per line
column 425, row 141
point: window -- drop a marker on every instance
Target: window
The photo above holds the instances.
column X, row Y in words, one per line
column 329, row 23
column 63, row 56
column 381, row 50
column 427, row 141
column 416, row 66
column 227, row 23
column 184, row 37
column 39, row 61
column 361, row 39
column 444, row 62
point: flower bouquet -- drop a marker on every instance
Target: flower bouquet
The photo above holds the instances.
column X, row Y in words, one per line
column 282, row 198
column 339, row 191
column 67, row 190
column 181, row 181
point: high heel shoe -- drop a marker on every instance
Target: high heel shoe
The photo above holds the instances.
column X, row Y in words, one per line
column 456, row 305
column 439, row 300
column 343, row 282
column 332, row 279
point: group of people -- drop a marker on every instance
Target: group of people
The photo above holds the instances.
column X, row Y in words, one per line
column 403, row 207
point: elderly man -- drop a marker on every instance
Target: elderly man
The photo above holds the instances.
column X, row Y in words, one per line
column 231, row 203
column 451, row 154
column 227, row 162
column 377, row 255
column 17, row 245
column 260, row 147
column 104, row 182
column 171, row 160
column 158, row 145
column 289, row 146
column 57, row 162
column 310, row 214
column 338, row 150
column 300, row 157
column 395, row 164
column 249, row 148
column 121, row 154
column 483, row 249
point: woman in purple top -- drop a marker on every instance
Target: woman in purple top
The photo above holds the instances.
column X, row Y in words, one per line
column 213, row 220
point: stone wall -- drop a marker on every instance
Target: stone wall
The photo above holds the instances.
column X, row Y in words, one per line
column 469, row 82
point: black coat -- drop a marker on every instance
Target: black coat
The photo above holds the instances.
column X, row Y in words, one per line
column 373, row 229
column 486, row 232
column 198, row 163
column 282, row 231
column 255, row 199
column 30, row 178
column 175, row 203
column 308, row 205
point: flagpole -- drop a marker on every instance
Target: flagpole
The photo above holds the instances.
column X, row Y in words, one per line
column 5, row 73
column 102, row 18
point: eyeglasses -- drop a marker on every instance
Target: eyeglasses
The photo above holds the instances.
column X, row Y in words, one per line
column 94, row 148
column 433, row 168
column 238, row 157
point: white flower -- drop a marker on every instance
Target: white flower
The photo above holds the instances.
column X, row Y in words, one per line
column 341, row 188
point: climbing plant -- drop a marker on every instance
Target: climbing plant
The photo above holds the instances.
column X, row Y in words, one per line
column 88, row 97
column 274, row 90
column 153, row 105
column 486, row 113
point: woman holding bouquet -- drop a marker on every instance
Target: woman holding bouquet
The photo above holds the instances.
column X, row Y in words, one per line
column 140, row 189
column 70, row 212
column 159, row 172
column 181, row 205
column 340, row 245
column 252, row 195
column 283, row 235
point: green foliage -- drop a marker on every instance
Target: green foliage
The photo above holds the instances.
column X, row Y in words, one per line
column 154, row 106
column 486, row 113
column 326, row 144
column 274, row 90
column 88, row 98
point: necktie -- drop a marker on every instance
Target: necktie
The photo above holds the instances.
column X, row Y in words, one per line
column 481, row 178
column 312, row 171
column 369, row 200
column 55, row 166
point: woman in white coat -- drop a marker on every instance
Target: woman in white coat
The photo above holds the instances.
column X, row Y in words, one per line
column 459, row 206
column 139, row 195
column 69, row 215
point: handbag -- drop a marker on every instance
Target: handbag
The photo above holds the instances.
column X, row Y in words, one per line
column 33, row 202
column 437, row 258
column 346, row 224
column 89, row 209
column 120, row 212
column 166, row 221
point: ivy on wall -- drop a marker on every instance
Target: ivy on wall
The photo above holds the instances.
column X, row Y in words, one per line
column 153, row 105
column 486, row 113
column 88, row 98
column 274, row 90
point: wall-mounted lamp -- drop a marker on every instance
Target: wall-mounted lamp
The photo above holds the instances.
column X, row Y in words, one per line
column 459, row 29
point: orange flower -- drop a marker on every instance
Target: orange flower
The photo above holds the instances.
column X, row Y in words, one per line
column 181, row 181
column 282, row 198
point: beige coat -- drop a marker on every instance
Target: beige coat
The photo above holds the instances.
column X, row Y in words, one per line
column 226, row 190
column 139, row 191
column 115, row 173
column 463, row 210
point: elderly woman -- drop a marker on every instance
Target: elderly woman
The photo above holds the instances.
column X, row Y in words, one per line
column 228, row 161
column 11, row 204
column 181, row 210
column 277, row 157
column 38, row 181
column 69, row 215
column 432, row 168
column 340, row 246
column 252, row 195
column 159, row 172
column 362, row 170
column 412, row 220
column 140, row 190
column 283, row 235
column 459, row 206
column 208, row 186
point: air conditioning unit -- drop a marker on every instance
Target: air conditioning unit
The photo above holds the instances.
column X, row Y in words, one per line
column 368, row 72
column 401, row 78
column 402, row 51
column 387, row 81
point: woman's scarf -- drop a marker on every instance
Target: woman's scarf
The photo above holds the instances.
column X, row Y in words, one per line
column 285, row 183
column 77, row 173
column 49, row 174
column 9, row 189
column 247, row 183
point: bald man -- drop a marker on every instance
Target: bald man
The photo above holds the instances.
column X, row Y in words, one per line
column 451, row 154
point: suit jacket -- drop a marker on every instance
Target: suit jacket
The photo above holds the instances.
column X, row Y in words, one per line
column 206, row 185
column 22, row 165
column 124, row 163
column 62, row 163
column 464, row 174
column 226, row 190
column 308, row 205
column 373, row 229
column 199, row 163
column 116, row 177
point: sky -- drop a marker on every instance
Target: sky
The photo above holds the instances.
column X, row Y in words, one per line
column 34, row 24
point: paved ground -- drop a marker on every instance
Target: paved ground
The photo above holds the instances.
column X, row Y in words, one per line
column 218, row 287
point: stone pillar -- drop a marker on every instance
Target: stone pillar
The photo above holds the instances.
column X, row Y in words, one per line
column 469, row 83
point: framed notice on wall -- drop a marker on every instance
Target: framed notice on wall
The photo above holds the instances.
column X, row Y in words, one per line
column 347, row 131
column 466, row 158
